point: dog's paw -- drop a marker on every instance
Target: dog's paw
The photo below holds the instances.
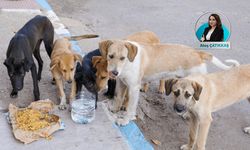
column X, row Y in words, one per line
column 247, row 130
column 111, row 107
column 123, row 108
column 13, row 94
column 109, row 95
column 39, row 77
column 122, row 121
column 161, row 90
column 62, row 107
column 184, row 147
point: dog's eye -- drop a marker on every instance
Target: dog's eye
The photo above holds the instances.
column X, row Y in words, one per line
column 177, row 93
column 103, row 78
column 72, row 69
column 187, row 95
column 111, row 56
column 122, row 58
column 64, row 70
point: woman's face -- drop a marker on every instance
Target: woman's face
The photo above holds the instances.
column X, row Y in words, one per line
column 212, row 21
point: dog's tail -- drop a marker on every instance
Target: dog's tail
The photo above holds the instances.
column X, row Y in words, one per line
column 79, row 37
column 214, row 60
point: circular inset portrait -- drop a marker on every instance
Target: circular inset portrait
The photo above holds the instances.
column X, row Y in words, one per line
column 212, row 27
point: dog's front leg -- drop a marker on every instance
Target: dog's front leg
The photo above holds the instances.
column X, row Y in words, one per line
column 73, row 92
column 162, row 87
column 120, row 91
column 14, row 93
column 133, row 93
column 35, row 82
column 193, row 130
column 204, row 126
column 61, row 93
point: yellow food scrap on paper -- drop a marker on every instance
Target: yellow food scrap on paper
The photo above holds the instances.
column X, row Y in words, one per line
column 32, row 120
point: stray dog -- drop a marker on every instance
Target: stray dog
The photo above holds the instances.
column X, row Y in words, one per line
column 200, row 95
column 130, row 62
column 93, row 72
column 62, row 67
column 26, row 42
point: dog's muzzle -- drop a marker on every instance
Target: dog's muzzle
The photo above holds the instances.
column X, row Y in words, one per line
column 179, row 108
column 115, row 73
column 111, row 75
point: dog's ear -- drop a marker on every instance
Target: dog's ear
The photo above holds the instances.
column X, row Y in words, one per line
column 8, row 61
column 27, row 64
column 132, row 51
column 197, row 90
column 96, row 60
column 78, row 57
column 55, row 62
column 103, row 47
column 169, row 84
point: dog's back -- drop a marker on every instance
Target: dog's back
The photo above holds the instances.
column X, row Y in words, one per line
column 61, row 46
column 225, row 87
column 144, row 37
column 37, row 29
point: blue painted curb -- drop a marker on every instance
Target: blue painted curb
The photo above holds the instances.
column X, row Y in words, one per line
column 131, row 132
column 45, row 5
column 135, row 138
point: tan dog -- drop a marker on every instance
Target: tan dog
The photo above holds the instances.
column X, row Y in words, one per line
column 130, row 62
column 200, row 95
column 100, row 63
column 62, row 67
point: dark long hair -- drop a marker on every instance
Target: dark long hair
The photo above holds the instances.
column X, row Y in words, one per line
column 217, row 18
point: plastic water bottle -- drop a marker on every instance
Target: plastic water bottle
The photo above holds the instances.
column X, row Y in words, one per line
column 83, row 108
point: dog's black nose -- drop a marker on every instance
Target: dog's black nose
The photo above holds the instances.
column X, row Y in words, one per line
column 115, row 73
column 69, row 81
column 179, row 108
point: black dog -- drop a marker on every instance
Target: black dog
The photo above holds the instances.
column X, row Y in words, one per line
column 85, row 75
column 26, row 42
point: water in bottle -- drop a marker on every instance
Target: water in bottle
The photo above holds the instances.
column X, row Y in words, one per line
column 83, row 108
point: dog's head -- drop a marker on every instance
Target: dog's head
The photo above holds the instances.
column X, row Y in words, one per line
column 117, row 53
column 101, row 74
column 16, row 71
column 65, row 64
column 185, row 92
column 86, row 76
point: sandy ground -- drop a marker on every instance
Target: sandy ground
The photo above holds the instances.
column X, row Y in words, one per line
column 173, row 21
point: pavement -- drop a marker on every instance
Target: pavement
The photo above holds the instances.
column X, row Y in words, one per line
column 100, row 134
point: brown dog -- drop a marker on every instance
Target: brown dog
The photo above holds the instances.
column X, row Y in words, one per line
column 62, row 67
column 200, row 95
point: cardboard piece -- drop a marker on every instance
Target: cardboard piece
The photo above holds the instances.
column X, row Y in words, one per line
column 27, row 137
